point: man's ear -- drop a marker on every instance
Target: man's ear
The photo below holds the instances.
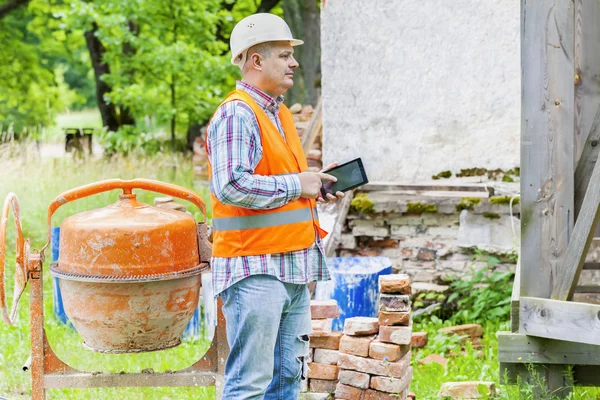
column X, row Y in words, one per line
column 256, row 61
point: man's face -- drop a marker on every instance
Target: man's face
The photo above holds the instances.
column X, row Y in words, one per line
column 278, row 69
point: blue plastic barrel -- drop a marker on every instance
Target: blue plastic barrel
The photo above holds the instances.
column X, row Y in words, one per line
column 193, row 329
column 354, row 285
column 59, row 310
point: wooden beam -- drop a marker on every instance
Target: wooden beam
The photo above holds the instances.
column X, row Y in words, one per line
column 547, row 31
column 560, row 320
column 315, row 126
column 514, row 300
column 571, row 263
column 522, row 349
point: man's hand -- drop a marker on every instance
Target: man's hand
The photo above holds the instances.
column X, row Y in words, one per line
column 330, row 197
column 311, row 183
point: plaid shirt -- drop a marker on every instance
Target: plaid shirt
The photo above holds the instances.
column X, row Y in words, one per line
column 234, row 150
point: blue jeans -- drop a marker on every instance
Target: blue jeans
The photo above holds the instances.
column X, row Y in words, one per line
column 268, row 323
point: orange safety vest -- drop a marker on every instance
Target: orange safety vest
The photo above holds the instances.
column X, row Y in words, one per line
column 239, row 231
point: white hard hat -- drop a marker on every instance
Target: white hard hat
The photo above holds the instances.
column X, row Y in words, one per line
column 255, row 29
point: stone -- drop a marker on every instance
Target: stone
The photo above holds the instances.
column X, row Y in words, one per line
column 315, row 396
column 356, row 345
column 370, row 231
column 354, row 378
column 394, row 302
column 420, row 287
column 388, row 318
column 371, row 394
column 322, row 371
column 425, row 254
column 320, row 327
column 361, row 326
column 326, row 356
column 391, row 385
column 323, row 309
column 466, row 390
column 401, row 232
column 370, row 366
column 444, row 233
column 331, row 341
column 396, row 334
column 418, row 340
column 376, row 222
column 411, row 396
column 470, row 330
column 495, row 235
column 322, row 386
column 434, row 358
column 310, row 355
column 395, row 284
column 347, row 241
column 387, row 351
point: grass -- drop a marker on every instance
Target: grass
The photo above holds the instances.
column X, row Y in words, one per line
column 36, row 184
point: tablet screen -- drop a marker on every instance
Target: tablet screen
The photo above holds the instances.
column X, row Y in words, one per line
column 349, row 176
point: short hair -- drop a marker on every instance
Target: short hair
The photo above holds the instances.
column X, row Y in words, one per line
column 264, row 49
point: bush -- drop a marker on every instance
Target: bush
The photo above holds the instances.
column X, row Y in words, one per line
column 129, row 140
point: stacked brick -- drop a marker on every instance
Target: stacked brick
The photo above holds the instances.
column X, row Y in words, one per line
column 323, row 353
column 374, row 359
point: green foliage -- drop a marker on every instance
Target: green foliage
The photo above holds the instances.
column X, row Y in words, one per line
column 504, row 200
column 420, row 208
column 467, row 203
column 491, row 215
column 507, row 178
column 482, row 296
column 129, row 140
column 362, row 204
column 443, row 174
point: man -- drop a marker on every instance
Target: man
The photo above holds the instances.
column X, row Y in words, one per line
column 266, row 237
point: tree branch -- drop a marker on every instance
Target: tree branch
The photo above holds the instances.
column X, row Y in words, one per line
column 267, row 5
column 11, row 5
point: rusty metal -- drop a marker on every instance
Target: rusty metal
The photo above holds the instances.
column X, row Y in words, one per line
column 47, row 370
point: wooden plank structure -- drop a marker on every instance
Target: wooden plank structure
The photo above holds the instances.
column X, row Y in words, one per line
column 553, row 337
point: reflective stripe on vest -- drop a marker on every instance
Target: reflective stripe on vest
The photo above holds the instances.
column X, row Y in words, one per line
column 263, row 220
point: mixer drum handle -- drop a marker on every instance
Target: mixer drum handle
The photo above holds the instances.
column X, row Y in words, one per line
column 22, row 259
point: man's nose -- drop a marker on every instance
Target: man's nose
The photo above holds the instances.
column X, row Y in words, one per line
column 293, row 64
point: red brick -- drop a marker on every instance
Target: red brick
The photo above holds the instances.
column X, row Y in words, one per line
column 387, row 318
column 320, row 309
column 346, row 392
column 434, row 358
column 321, row 327
column 356, row 345
column 322, row 386
column 418, row 340
column 465, row 390
column 322, row 371
column 379, row 351
column 353, row 378
column 471, row 330
column 395, row 334
column 357, row 326
column 371, row 394
column 325, row 356
column 391, row 385
column 331, row 341
column 395, row 284
column 384, row 244
column 375, row 367
column 394, row 302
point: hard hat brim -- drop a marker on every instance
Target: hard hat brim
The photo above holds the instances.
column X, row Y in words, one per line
column 293, row 42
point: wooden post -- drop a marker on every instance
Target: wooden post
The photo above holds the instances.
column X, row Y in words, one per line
column 547, row 126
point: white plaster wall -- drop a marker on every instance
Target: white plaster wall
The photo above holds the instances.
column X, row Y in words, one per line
column 415, row 87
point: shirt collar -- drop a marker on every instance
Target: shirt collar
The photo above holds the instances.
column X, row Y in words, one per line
column 264, row 100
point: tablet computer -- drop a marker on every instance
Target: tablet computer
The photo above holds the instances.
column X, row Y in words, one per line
column 349, row 175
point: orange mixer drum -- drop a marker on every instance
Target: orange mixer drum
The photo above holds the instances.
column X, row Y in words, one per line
column 129, row 274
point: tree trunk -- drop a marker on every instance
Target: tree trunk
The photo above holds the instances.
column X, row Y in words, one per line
column 11, row 5
column 108, row 112
column 304, row 19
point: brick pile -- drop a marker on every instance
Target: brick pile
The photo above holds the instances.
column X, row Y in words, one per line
column 323, row 353
column 374, row 359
